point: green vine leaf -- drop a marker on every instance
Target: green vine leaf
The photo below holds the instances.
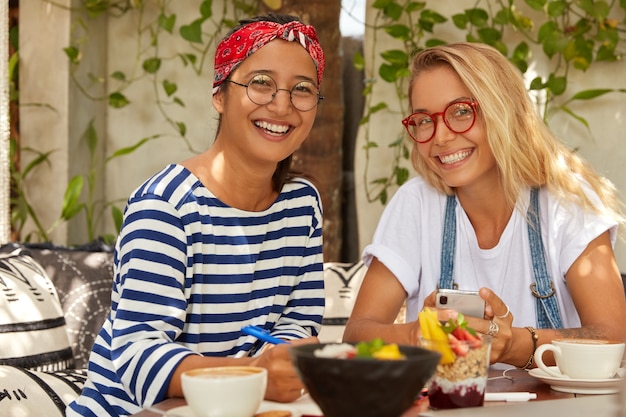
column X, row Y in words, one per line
column 581, row 63
column 399, row 31
column 384, row 196
column 537, row 84
column 556, row 84
column 389, row 72
column 503, row 17
column 393, row 11
column 188, row 58
column 522, row 22
column 95, row 8
column 434, row 42
column 489, row 35
column 378, row 107
column 520, row 56
column 167, row 22
column 169, row 87
column 118, row 75
column 591, row 94
column 206, row 9
column 402, row 175
column 395, row 56
column 73, row 54
column 428, row 19
column 151, row 65
column 536, row 4
column 192, row 32
column 460, row 21
column 575, row 116
column 557, row 8
column 118, row 100
column 415, row 6
column 606, row 53
column 599, row 10
column 370, row 145
column 182, row 128
column 478, row 17
column 381, row 4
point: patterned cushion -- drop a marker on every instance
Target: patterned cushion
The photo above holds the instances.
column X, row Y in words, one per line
column 83, row 279
column 342, row 282
column 25, row 393
column 32, row 326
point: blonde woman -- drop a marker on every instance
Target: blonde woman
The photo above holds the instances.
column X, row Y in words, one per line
column 500, row 206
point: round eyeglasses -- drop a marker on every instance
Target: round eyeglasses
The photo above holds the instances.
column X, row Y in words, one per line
column 262, row 89
column 458, row 116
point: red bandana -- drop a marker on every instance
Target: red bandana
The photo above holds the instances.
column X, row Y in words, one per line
column 233, row 50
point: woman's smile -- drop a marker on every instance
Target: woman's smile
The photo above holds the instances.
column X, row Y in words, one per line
column 455, row 157
column 273, row 128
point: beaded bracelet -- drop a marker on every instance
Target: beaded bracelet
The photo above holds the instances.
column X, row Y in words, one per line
column 535, row 337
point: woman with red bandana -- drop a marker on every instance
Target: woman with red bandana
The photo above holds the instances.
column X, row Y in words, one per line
column 226, row 239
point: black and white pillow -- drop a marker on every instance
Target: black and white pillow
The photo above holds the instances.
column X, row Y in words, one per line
column 83, row 277
column 27, row 393
column 342, row 282
column 32, row 325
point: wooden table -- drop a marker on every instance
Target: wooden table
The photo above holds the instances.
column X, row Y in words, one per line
column 517, row 380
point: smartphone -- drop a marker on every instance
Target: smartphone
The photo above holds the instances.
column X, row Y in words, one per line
column 468, row 303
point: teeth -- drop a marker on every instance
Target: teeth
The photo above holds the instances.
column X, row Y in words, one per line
column 273, row 127
column 455, row 157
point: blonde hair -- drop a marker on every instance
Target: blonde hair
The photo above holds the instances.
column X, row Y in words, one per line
column 527, row 153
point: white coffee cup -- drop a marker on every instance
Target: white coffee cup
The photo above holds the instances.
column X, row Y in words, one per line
column 225, row 391
column 582, row 358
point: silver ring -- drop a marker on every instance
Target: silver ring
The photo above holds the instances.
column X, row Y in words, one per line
column 505, row 315
column 493, row 328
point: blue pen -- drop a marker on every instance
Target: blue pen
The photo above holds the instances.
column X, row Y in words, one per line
column 261, row 334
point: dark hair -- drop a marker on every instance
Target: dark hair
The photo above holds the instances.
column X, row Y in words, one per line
column 270, row 17
column 284, row 172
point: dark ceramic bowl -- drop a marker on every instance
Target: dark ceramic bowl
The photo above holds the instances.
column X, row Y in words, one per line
column 364, row 387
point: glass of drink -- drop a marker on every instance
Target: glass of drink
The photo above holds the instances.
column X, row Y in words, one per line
column 460, row 382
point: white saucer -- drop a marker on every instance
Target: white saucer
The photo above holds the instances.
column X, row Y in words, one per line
column 580, row 386
column 303, row 405
column 183, row 411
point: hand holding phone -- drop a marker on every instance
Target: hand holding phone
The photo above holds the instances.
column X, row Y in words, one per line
column 467, row 303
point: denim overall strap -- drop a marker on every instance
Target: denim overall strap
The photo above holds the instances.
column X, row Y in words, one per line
column 448, row 245
column 548, row 316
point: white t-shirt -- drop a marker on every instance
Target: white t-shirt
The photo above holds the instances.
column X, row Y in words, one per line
column 409, row 235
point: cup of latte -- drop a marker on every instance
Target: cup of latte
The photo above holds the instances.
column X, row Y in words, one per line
column 225, row 391
column 581, row 358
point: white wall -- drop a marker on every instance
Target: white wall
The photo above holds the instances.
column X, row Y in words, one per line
column 44, row 99
column 128, row 125
column 54, row 113
column 606, row 150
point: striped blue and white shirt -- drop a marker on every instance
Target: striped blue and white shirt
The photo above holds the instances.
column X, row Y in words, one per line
column 190, row 271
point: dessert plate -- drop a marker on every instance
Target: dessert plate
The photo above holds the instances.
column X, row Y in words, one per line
column 580, row 386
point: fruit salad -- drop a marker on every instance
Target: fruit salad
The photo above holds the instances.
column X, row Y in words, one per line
column 461, row 376
column 375, row 349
